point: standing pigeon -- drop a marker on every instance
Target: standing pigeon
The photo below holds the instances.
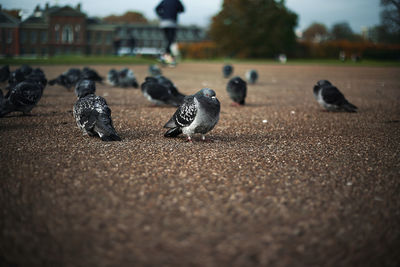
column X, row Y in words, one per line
column 199, row 113
column 237, row 90
column 22, row 97
column 4, row 73
column 154, row 70
column 92, row 114
column 160, row 94
column 329, row 97
column 251, row 76
column 227, row 70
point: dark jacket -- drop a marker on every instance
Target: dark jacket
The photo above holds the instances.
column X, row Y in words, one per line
column 169, row 9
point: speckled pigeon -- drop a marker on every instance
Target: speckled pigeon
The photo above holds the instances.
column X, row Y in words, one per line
column 92, row 114
column 199, row 113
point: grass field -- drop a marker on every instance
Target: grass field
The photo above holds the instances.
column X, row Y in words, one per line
column 90, row 60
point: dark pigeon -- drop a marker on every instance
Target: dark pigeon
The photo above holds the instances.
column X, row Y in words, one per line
column 4, row 73
column 90, row 74
column 251, row 76
column 237, row 90
column 92, row 114
column 68, row 79
column 227, row 70
column 160, row 94
column 126, row 78
column 23, row 97
column 329, row 97
column 112, row 77
column 199, row 113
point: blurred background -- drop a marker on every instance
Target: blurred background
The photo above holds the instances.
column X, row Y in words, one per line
column 267, row 29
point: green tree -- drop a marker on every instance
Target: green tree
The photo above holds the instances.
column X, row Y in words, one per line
column 342, row 31
column 316, row 32
column 256, row 28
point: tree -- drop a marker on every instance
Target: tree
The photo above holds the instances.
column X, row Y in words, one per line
column 256, row 28
column 390, row 16
column 316, row 32
column 128, row 17
column 342, row 31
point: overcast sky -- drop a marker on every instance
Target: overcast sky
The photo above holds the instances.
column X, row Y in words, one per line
column 359, row 13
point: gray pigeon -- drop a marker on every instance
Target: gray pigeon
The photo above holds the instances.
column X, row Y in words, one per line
column 112, row 77
column 251, row 76
column 237, row 90
column 126, row 78
column 92, row 114
column 199, row 113
column 159, row 94
column 227, row 70
column 329, row 97
column 22, row 97
column 154, row 70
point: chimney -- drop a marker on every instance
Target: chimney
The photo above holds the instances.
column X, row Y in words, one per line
column 78, row 7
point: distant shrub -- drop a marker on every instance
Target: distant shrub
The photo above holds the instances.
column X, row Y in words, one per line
column 200, row 50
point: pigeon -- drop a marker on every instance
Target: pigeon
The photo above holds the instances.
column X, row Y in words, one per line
column 112, row 77
column 199, row 113
column 227, row 70
column 251, row 76
column 68, row 79
column 16, row 77
column 37, row 76
column 169, row 84
column 161, row 91
column 329, row 97
column 126, row 78
column 26, row 69
column 237, row 89
column 90, row 74
column 22, row 97
column 4, row 73
column 92, row 114
column 154, row 70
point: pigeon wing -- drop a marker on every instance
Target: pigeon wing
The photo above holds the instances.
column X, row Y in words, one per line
column 333, row 96
column 186, row 113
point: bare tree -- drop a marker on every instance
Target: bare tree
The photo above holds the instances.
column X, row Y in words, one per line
column 390, row 16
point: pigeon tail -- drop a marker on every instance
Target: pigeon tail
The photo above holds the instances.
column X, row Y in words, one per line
column 52, row 82
column 349, row 107
column 173, row 132
column 242, row 102
column 111, row 137
column 5, row 107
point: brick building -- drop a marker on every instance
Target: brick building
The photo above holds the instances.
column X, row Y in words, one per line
column 55, row 30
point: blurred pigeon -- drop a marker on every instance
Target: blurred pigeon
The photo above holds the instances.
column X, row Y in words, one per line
column 22, row 97
column 199, row 113
column 227, row 70
column 154, row 70
column 92, row 114
column 37, row 76
column 237, row 90
column 170, row 85
column 159, row 94
column 112, row 77
column 126, row 78
column 4, row 73
column 90, row 74
column 16, row 77
column 329, row 97
column 68, row 79
column 251, row 76
column 26, row 69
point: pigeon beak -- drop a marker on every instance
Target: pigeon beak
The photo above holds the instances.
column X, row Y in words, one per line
column 213, row 97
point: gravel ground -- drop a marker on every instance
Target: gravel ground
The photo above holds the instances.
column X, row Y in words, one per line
column 282, row 184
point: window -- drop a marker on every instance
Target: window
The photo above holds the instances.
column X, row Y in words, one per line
column 89, row 37
column 77, row 33
column 10, row 36
column 33, row 37
column 108, row 38
column 23, row 36
column 43, row 37
column 67, row 34
column 57, row 33
column 98, row 38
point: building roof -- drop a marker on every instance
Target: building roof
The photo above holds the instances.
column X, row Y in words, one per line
column 8, row 19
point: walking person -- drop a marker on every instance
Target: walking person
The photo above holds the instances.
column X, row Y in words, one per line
column 168, row 11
